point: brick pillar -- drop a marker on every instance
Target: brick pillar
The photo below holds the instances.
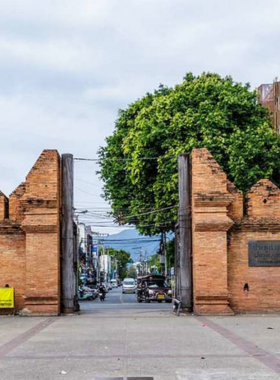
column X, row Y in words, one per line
column 210, row 224
column 41, row 224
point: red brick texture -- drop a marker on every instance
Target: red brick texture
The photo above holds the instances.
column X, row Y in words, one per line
column 210, row 224
column 261, row 222
column 30, row 239
column 220, row 236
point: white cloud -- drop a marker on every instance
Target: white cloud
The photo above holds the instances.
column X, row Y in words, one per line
column 67, row 66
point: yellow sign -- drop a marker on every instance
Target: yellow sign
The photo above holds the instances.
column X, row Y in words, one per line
column 6, row 298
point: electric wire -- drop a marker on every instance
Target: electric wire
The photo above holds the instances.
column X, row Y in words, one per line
column 123, row 159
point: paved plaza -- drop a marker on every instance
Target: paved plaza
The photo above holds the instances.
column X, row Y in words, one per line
column 123, row 339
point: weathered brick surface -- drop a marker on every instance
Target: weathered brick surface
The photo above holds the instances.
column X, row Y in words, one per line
column 12, row 262
column 220, row 236
column 30, row 239
column 210, row 224
column 235, row 208
column 16, row 210
column 261, row 222
column 262, row 201
column 263, row 282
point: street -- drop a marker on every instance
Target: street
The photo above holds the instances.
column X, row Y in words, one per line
column 120, row 338
column 119, row 303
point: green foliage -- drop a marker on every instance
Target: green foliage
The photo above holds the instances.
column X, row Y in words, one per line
column 131, row 272
column 123, row 259
column 154, row 260
column 205, row 111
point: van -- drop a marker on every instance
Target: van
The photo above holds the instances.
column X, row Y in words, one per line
column 129, row 285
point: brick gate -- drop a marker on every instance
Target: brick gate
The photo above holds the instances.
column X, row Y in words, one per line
column 30, row 238
column 225, row 223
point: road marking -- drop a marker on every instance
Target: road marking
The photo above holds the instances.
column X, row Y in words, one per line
column 125, row 356
column 6, row 348
column 123, row 378
column 109, row 378
column 121, row 298
column 263, row 356
column 93, row 315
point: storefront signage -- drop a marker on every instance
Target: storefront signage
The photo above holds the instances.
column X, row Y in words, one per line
column 264, row 253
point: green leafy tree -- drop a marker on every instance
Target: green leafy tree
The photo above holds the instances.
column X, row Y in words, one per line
column 123, row 258
column 131, row 272
column 154, row 262
column 204, row 111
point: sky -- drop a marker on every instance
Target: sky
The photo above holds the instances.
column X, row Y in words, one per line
column 68, row 66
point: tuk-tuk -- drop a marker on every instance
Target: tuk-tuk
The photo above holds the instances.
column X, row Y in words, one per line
column 153, row 287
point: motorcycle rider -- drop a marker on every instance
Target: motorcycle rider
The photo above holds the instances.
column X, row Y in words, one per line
column 102, row 292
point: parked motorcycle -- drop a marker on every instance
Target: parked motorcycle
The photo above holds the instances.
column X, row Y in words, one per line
column 86, row 294
column 93, row 289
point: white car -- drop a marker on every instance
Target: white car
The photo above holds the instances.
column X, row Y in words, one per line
column 129, row 285
column 114, row 283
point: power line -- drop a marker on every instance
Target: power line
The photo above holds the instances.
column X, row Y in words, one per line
column 127, row 217
column 98, row 224
column 87, row 182
column 150, row 212
column 86, row 192
column 123, row 159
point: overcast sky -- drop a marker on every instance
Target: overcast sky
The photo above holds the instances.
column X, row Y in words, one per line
column 67, row 66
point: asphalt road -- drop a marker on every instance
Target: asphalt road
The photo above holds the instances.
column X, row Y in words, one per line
column 116, row 301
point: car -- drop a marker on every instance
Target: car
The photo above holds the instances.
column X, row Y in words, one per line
column 114, row 283
column 153, row 288
column 128, row 286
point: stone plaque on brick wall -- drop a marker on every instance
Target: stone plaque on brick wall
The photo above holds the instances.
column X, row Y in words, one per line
column 264, row 253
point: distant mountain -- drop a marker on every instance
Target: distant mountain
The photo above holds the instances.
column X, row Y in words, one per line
column 132, row 242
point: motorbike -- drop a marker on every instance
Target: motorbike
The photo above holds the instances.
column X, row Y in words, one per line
column 102, row 295
column 86, row 294
column 93, row 289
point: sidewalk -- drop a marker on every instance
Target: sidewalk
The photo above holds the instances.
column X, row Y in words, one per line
column 140, row 343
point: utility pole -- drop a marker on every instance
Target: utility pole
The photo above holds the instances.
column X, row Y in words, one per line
column 161, row 256
column 69, row 291
column 165, row 254
column 141, row 262
column 185, row 260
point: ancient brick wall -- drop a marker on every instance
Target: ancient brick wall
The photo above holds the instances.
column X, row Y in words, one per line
column 223, row 281
column 30, row 238
column 255, row 288
column 210, row 224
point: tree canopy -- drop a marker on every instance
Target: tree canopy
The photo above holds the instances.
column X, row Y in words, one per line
column 139, row 161
column 131, row 272
column 123, row 258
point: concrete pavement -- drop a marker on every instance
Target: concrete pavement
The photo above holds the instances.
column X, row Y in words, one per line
column 121, row 338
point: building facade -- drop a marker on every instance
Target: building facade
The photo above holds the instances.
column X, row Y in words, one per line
column 269, row 97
